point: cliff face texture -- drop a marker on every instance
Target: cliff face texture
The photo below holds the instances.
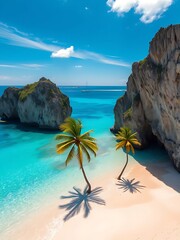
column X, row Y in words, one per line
column 151, row 105
column 40, row 104
column 8, row 104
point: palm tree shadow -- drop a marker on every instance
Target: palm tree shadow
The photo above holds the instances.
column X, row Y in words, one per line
column 130, row 185
column 80, row 199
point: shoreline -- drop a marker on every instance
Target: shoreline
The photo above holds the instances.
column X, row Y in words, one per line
column 152, row 212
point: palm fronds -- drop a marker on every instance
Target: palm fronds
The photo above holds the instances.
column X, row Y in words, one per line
column 81, row 144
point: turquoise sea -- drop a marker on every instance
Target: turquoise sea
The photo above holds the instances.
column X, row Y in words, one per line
column 33, row 176
column 30, row 170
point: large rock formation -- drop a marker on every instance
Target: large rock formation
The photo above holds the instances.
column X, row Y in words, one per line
column 40, row 104
column 8, row 104
column 151, row 105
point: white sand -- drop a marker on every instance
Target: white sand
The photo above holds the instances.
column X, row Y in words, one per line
column 151, row 214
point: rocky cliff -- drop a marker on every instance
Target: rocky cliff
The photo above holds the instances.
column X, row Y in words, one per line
column 151, row 105
column 40, row 104
column 8, row 104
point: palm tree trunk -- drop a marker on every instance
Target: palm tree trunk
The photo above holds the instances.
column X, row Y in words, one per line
column 119, row 177
column 88, row 183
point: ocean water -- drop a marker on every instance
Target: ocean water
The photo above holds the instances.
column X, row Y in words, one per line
column 33, row 176
column 31, row 172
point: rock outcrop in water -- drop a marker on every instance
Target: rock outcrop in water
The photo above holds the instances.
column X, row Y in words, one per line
column 39, row 104
column 9, row 103
column 151, row 105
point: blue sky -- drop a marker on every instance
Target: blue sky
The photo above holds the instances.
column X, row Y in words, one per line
column 78, row 42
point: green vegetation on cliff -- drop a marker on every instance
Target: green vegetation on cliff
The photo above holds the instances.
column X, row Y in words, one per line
column 142, row 62
column 28, row 89
column 128, row 114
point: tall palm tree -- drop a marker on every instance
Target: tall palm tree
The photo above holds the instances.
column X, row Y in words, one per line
column 78, row 144
column 126, row 139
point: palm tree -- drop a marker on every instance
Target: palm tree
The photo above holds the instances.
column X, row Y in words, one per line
column 78, row 144
column 126, row 139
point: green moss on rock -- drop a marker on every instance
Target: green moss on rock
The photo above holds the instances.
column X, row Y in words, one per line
column 28, row 89
column 128, row 114
column 142, row 62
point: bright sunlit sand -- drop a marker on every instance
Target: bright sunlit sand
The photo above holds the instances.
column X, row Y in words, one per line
column 144, row 206
column 90, row 120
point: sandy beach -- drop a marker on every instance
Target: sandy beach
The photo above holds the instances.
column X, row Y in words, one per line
column 144, row 208
column 89, row 93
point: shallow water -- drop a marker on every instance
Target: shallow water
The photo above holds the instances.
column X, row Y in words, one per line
column 30, row 169
column 32, row 174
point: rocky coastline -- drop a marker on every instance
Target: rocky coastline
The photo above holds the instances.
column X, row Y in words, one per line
column 151, row 104
column 40, row 104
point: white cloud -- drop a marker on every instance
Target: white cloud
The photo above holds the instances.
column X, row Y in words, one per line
column 2, row 77
column 82, row 54
column 30, row 65
column 12, row 36
column 149, row 9
column 99, row 58
column 78, row 66
column 12, row 80
column 63, row 53
column 8, row 66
